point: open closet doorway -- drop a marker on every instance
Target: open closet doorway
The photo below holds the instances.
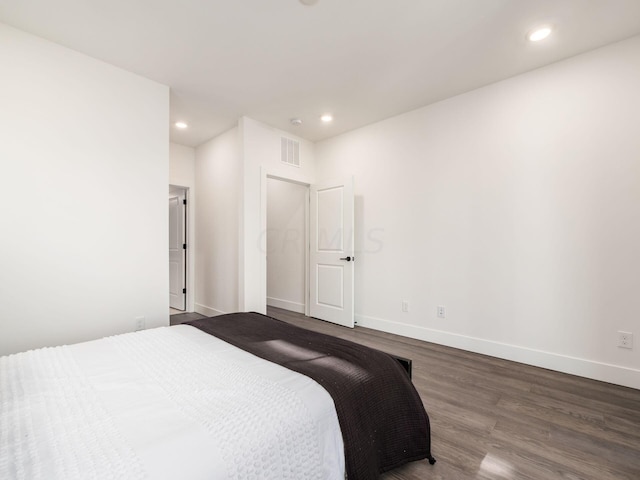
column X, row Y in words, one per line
column 287, row 244
column 178, row 248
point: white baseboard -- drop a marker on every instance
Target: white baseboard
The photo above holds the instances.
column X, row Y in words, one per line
column 208, row 311
column 627, row 377
column 285, row 304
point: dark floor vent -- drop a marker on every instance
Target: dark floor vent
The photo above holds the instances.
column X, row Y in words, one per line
column 405, row 362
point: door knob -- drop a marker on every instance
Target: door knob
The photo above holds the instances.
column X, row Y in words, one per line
column 348, row 259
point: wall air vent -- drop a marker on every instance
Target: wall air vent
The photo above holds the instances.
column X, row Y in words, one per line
column 290, row 151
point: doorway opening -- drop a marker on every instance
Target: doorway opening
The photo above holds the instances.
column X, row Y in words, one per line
column 177, row 249
column 328, row 259
column 287, row 244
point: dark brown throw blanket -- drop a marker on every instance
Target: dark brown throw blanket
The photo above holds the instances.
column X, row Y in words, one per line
column 383, row 422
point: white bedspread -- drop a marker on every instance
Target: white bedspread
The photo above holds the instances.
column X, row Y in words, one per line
column 168, row 403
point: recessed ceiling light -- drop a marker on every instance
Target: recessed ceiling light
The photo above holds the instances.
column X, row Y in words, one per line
column 326, row 118
column 539, row 34
column 181, row 125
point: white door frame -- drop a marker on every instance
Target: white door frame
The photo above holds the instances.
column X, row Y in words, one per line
column 306, row 236
column 262, row 243
column 264, row 174
column 177, row 250
column 190, row 241
column 263, row 240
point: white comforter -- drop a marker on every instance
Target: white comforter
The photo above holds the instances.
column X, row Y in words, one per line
column 168, row 403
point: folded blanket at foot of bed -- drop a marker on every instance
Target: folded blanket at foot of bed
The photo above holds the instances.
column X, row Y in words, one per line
column 382, row 418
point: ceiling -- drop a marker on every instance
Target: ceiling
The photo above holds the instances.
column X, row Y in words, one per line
column 361, row 60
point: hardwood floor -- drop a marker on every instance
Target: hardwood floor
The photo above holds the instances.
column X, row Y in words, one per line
column 179, row 318
column 495, row 419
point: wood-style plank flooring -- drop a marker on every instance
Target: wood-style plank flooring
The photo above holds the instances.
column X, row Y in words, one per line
column 495, row 419
column 178, row 318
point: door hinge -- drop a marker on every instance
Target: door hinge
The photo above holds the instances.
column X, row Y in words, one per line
column 184, row 290
column 184, row 201
column 184, row 246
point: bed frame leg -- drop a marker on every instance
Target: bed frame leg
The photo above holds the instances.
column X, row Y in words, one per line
column 431, row 460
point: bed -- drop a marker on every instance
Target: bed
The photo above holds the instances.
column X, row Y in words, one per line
column 238, row 396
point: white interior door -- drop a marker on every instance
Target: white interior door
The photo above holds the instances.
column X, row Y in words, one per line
column 331, row 256
column 177, row 293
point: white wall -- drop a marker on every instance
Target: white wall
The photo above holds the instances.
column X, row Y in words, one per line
column 286, row 245
column 260, row 151
column 182, row 165
column 516, row 206
column 218, row 172
column 84, row 158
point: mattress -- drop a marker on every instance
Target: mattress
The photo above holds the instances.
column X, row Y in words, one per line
column 165, row 403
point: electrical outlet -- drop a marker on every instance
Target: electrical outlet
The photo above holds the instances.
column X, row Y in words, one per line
column 405, row 306
column 625, row 339
column 441, row 311
column 140, row 323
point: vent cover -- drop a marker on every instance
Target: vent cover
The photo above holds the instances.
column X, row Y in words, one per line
column 290, row 151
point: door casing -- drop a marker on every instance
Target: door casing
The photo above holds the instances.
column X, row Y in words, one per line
column 262, row 241
column 178, row 256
